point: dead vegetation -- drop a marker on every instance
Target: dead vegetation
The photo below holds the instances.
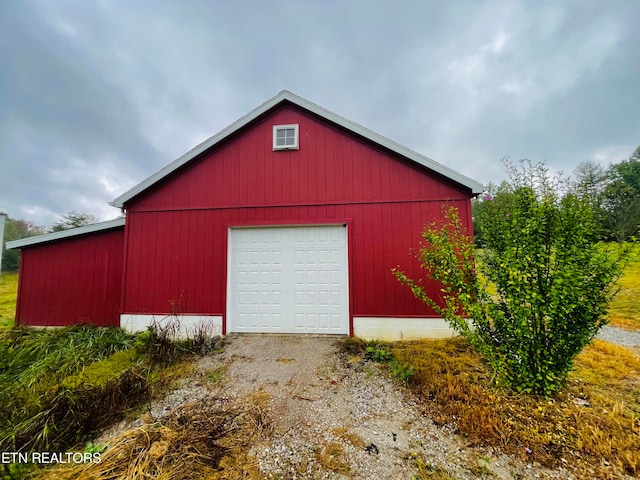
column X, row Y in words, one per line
column 331, row 455
column 591, row 428
column 353, row 438
column 205, row 440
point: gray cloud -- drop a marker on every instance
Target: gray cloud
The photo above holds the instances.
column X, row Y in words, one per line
column 95, row 96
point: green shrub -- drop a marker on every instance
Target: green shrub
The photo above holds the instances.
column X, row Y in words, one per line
column 376, row 354
column 400, row 371
column 552, row 278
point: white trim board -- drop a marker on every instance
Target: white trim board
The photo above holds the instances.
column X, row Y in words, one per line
column 401, row 328
column 187, row 325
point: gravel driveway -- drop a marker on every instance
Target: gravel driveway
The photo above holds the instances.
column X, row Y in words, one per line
column 335, row 417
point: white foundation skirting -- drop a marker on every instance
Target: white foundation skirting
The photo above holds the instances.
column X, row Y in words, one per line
column 186, row 325
column 400, row 328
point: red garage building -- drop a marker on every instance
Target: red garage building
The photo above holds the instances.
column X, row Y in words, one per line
column 289, row 220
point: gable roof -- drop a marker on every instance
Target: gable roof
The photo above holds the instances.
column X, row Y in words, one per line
column 73, row 232
column 286, row 96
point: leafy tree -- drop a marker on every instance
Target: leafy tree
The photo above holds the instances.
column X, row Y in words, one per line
column 622, row 198
column 73, row 219
column 478, row 207
column 591, row 180
column 551, row 276
column 15, row 230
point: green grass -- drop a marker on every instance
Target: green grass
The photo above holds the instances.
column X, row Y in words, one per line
column 36, row 398
column 8, row 295
column 624, row 310
column 60, row 386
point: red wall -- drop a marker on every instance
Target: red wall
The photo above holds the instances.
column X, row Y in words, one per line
column 176, row 234
column 331, row 167
column 75, row 280
column 177, row 260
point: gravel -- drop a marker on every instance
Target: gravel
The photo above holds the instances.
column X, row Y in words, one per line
column 620, row 336
column 336, row 418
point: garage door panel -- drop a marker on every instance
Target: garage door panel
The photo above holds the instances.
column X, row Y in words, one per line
column 335, row 298
column 293, row 279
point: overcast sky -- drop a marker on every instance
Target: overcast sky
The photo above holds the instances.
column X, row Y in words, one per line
column 95, row 96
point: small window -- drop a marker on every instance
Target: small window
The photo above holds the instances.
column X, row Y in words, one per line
column 285, row 137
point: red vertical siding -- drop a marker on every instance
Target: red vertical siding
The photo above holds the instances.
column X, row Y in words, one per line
column 177, row 231
column 185, row 263
column 75, row 280
column 330, row 167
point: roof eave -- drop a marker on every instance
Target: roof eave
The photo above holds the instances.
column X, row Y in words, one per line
column 120, row 201
column 64, row 234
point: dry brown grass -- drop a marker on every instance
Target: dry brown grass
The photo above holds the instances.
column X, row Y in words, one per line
column 200, row 441
column 331, row 455
column 428, row 471
column 600, row 439
column 630, row 324
column 353, row 438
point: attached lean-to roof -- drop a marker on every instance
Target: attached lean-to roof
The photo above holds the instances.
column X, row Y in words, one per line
column 74, row 232
column 286, row 96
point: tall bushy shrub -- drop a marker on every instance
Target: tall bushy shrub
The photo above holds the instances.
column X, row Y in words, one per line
column 549, row 277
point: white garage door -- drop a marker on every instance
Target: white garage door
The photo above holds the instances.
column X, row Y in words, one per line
column 288, row 280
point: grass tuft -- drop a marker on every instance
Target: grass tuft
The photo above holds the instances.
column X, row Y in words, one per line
column 378, row 352
column 428, row 471
column 61, row 386
column 46, row 401
column 353, row 438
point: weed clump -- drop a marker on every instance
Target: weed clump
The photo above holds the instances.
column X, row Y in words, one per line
column 47, row 401
column 162, row 343
column 73, row 414
column 331, row 455
column 377, row 352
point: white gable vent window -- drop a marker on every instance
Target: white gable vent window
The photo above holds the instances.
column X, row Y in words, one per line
column 285, row 137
